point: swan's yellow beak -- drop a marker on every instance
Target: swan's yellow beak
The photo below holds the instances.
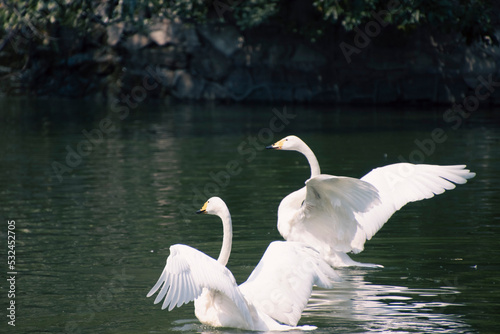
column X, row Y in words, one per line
column 276, row 146
column 203, row 209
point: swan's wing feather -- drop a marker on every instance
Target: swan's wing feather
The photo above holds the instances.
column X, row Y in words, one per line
column 401, row 183
column 281, row 284
column 187, row 272
column 344, row 193
column 328, row 212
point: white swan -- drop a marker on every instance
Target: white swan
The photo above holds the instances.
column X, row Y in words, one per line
column 272, row 298
column 336, row 215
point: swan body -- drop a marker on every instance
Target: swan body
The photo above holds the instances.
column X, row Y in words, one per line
column 336, row 215
column 272, row 298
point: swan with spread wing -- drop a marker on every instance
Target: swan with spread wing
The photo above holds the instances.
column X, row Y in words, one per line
column 272, row 298
column 336, row 215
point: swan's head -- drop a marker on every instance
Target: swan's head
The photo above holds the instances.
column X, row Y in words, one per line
column 290, row 143
column 214, row 206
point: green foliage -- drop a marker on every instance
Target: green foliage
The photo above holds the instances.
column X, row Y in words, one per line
column 472, row 18
column 81, row 13
column 251, row 13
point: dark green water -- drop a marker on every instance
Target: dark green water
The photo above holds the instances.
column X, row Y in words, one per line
column 91, row 242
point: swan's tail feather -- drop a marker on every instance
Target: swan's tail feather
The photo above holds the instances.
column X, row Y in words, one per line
column 339, row 260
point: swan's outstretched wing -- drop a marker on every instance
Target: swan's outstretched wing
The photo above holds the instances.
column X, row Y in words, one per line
column 327, row 214
column 281, row 284
column 187, row 272
column 401, row 183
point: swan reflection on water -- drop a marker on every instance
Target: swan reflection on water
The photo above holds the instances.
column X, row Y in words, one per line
column 357, row 305
column 385, row 308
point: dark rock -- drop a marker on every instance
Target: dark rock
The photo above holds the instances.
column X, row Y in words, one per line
column 97, row 35
column 419, row 87
column 170, row 56
column 214, row 62
column 450, row 90
column 225, row 39
column 387, row 91
column 259, row 93
column 162, row 32
column 302, row 94
column 215, row 91
column 72, row 87
column 358, row 92
column 210, row 64
column 239, row 82
column 494, row 98
column 105, row 64
column 479, row 62
column 249, row 55
column 299, row 77
column 188, row 38
column 307, row 59
column 164, row 76
column 136, row 42
column 278, row 54
column 67, row 42
column 281, row 92
column 5, row 70
column 79, row 59
column 267, row 75
column 131, row 78
column 114, row 32
column 188, row 86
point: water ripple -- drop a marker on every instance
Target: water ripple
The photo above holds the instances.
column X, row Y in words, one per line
column 385, row 308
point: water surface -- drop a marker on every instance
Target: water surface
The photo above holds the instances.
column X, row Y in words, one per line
column 92, row 234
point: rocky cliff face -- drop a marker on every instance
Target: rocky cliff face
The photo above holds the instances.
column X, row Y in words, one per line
column 373, row 64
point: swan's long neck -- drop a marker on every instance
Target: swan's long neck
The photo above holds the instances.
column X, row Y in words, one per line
column 227, row 238
column 311, row 158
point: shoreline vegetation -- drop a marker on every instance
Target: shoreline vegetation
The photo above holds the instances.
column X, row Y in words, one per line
column 368, row 52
